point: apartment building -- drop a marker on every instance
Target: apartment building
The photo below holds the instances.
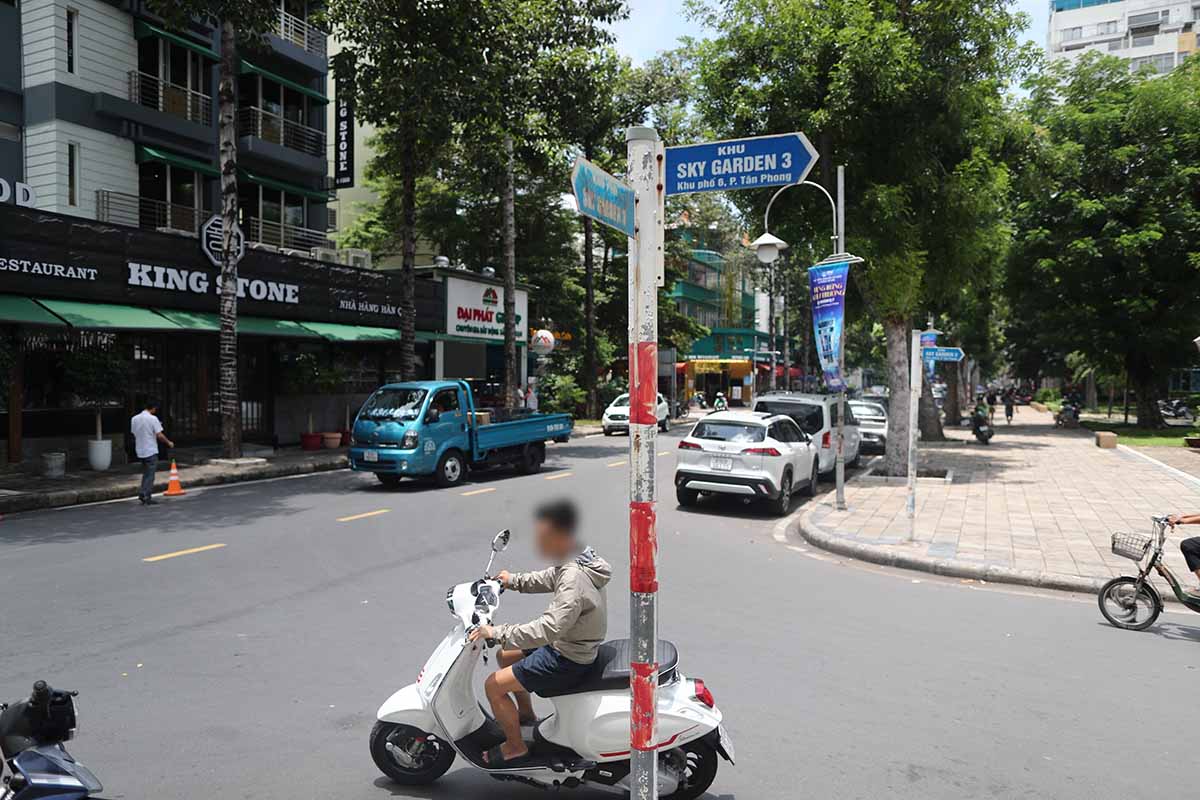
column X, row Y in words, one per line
column 115, row 119
column 1145, row 33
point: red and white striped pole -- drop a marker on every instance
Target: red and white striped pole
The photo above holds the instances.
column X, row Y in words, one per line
column 645, row 268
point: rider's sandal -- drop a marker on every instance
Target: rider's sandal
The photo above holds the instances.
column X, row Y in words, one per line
column 495, row 759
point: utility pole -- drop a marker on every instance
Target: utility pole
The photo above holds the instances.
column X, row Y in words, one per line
column 646, row 165
column 840, row 471
column 914, row 397
column 787, row 369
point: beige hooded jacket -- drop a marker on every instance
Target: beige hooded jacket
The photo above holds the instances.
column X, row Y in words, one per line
column 577, row 620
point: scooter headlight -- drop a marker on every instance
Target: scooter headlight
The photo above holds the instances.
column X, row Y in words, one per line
column 450, row 599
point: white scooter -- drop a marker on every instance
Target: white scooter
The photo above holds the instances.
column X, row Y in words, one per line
column 584, row 742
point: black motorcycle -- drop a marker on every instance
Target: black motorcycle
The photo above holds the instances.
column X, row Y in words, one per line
column 981, row 427
column 32, row 732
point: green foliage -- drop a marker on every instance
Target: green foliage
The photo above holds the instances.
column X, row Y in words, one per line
column 561, row 394
column 311, row 373
column 252, row 19
column 1047, row 395
column 98, row 377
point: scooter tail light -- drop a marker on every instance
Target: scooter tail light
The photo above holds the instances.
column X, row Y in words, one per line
column 704, row 694
column 686, row 445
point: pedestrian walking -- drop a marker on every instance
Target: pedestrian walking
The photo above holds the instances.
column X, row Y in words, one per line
column 531, row 398
column 1010, row 401
column 147, row 433
column 991, row 403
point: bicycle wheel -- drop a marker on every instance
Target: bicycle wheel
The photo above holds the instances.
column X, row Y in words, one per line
column 1126, row 606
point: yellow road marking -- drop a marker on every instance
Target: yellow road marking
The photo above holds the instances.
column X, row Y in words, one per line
column 353, row 517
column 559, row 475
column 620, row 463
column 187, row 552
column 478, row 491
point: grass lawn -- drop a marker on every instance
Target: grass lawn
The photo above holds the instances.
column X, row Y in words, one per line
column 1143, row 437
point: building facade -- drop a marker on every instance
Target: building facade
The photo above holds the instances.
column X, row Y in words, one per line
column 1147, row 34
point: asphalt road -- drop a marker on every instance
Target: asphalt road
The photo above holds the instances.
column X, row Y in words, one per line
column 253, row 668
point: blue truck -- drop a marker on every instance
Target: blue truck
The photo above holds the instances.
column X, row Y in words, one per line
column 432, row 428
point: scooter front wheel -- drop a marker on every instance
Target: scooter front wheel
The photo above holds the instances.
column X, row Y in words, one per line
column 409, row 755
column 1126, row 605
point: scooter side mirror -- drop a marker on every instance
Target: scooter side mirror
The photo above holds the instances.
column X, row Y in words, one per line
column 500, row 541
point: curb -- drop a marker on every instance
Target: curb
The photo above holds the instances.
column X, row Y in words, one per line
column 817, row 536
column 72, row 497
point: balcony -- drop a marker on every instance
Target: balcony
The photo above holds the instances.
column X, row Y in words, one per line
column 300, row 33
column 277, row 130
column 281, row 235
column 152, row 92
column 144, row 212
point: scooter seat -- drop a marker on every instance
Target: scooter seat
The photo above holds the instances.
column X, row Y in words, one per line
column 610, row 670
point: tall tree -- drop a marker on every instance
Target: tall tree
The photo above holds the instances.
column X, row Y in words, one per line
column 242, row 22
column 1107, row 238
column 896, row 91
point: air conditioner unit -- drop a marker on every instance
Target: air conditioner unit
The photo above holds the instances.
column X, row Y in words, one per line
column 354, row 257
column 270, row 248
column 325, row 254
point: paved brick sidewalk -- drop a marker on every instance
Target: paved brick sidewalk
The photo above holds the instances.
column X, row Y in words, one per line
column 1038, row 505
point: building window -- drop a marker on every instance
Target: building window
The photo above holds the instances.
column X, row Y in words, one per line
column 1116, row 44
column 72, row 37
column 72, row 174
column 9, row 132
column 1163, row 62
column 1107, row 27
column 1071, row 34
column 1144, row 40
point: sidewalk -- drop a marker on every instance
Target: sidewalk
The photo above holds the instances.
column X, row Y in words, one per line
column 20, row 491
column 1037, row 507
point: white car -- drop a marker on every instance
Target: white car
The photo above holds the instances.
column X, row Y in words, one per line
column 755, row 456
column 816, row 414
column 872, row 423
column 616, row 416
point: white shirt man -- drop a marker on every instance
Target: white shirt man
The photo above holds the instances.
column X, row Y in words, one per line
column 147, row 433
column 531, row 398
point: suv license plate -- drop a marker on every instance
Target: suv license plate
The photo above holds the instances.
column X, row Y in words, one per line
column 370, row 455
column 724, row 464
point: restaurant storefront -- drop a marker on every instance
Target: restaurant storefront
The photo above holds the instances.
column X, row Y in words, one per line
column 314, row 338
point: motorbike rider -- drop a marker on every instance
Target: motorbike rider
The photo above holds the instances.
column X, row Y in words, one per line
column 720, row 404
column 1190, row 547
column 980, row 414
column 554, row 652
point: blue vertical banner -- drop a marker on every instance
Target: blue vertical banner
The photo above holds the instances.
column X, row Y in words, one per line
column 827, row 287
column 929, row 339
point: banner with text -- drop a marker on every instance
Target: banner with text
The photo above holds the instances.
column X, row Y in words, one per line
column 827, row 285
column 929, row 339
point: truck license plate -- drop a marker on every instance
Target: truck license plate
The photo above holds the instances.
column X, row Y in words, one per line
column 370, row 455
column 724, row 464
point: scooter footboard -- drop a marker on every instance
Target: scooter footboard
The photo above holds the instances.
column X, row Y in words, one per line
column 407, row 708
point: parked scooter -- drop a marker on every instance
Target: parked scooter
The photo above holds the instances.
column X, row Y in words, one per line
column 32, row 732
column 981, row 426
column 585, row 742
column 1176, row 409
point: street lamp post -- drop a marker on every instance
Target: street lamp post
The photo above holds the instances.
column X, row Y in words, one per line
column 768, row 249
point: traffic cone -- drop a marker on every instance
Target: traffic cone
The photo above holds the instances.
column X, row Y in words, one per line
column 174, row 487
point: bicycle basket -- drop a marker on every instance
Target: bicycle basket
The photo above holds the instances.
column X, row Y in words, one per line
column 1131, row 545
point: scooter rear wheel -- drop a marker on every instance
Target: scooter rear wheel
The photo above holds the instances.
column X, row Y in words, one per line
column 699, row 768
column 409, row 755
column 1122, row 608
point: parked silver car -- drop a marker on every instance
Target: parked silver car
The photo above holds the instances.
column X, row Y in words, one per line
column 872, row 423
column 755, row 456
column 816, row 414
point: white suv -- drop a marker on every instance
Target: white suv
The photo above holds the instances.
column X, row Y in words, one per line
column 816, row 414
column 616, row 416
column 755, row 456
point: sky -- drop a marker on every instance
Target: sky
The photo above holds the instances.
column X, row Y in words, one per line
column 655, row 25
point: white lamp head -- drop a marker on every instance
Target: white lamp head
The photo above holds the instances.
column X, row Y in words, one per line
column 768, row 247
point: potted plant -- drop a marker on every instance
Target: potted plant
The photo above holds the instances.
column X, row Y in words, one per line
column 97, row 378
column 310, row 440
column 329, row 379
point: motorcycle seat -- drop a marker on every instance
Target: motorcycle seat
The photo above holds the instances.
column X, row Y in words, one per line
column 610, row 670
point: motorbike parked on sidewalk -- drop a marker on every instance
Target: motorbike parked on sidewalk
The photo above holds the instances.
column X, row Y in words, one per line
column 1133, row 603
column 1176, row 409
column 32, row 732
column 585, row 742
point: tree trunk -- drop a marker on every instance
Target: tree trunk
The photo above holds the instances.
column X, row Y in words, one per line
column 589, row 321
column 511, row 368
column 408, row 250
column 231, row 422
column 1091, row 401
column 895, row 456
column 771, row 320
column 953, row 406
column 1144, row 381
column 928, row 419
column 604, row 267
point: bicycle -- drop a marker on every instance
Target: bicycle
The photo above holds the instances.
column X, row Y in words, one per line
column 1134, row 603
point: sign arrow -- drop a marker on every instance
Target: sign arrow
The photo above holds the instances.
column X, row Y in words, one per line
column 942, row 353
column 755, row 163
column 603, row 197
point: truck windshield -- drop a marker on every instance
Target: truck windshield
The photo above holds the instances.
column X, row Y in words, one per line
column 394, row 404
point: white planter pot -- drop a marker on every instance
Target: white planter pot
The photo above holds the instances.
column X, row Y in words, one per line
column 100, row 454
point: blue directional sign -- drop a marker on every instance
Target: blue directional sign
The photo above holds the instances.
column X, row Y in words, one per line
column 755, row 163
column 942, row 353
column 602, row 197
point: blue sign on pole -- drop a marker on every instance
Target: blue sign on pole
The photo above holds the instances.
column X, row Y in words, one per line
column 755, row 163
column 942, row 353
column 928, row 340
column 604, row 198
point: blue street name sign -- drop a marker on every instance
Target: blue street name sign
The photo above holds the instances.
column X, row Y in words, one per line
column 942, row 353
column 604, row 198
column 755, row 163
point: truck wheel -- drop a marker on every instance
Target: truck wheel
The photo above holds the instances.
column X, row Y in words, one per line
column 388, row 481
column 531, row 459
column 451, row 469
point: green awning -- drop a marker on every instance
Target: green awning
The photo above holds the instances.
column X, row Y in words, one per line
column 247, row 67
column 144, row 154
column 283, row 186
column 24, row 311
column 108, row 316
column 143, row 29
column 246, row 326
column 352, row 333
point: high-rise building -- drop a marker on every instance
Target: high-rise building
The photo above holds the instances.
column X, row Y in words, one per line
column 1146, row 33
